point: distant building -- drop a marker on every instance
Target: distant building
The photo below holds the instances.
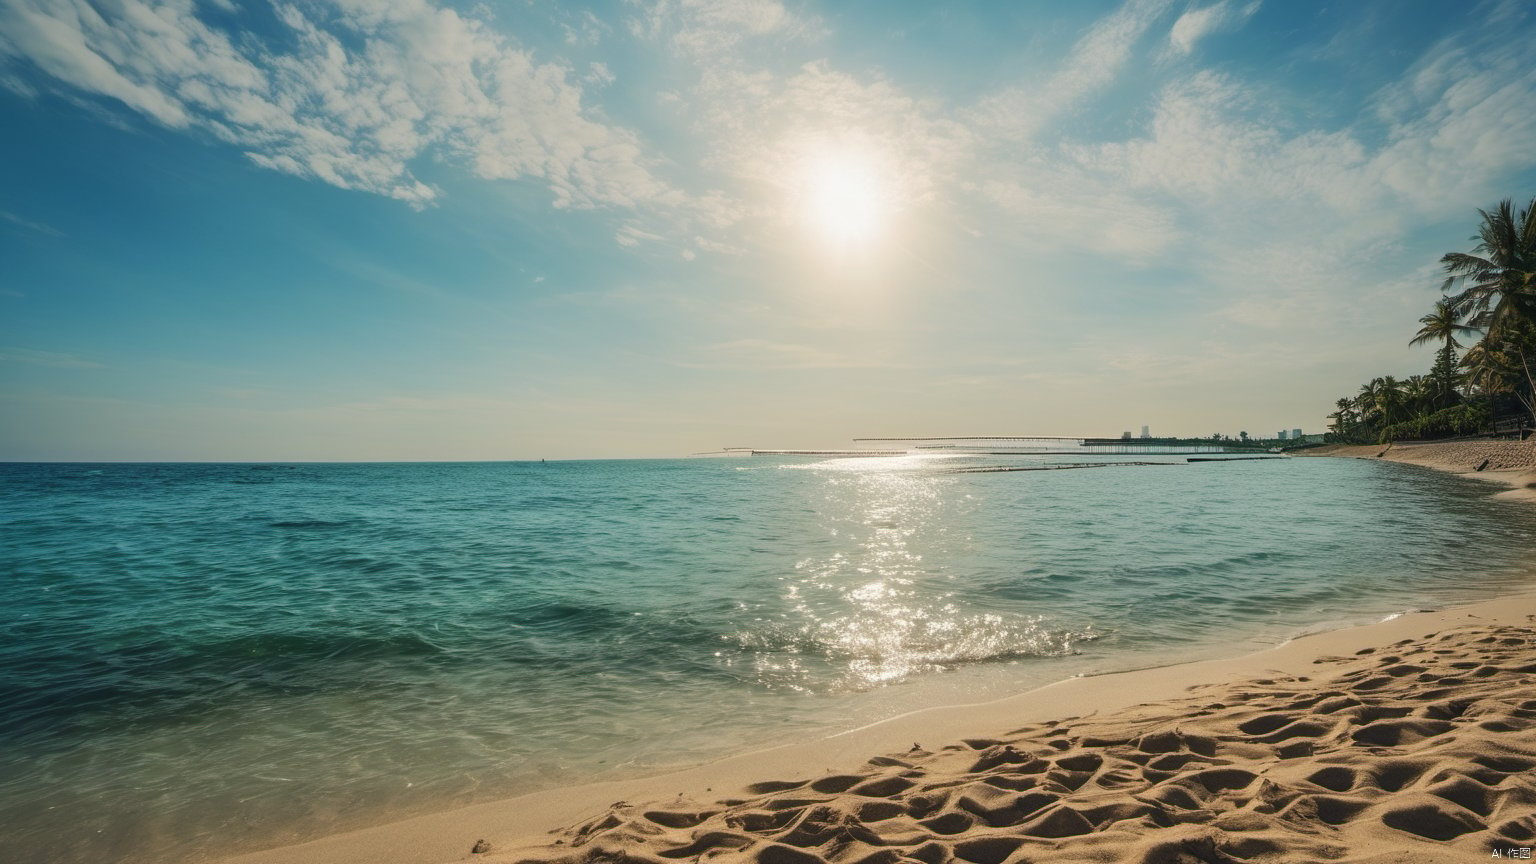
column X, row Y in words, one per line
column 1296, row 435
column 1146, row 432
column 1282, row 435
column 1126, row 435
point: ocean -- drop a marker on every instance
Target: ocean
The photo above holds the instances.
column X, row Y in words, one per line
column 201, row 659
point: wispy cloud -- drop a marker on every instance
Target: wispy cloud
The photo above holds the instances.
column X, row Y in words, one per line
column 1295, row 212
column 1461, row 119
column 51, row 359
column 599, row 75
column 632, row 235
column 1196, row 24
column 767, row 354
column 364, row 89
column 1018, row 113
column 30, row 225
column 710, row 28
column 1056, row 205
column 585, row 29
column 1213, row 166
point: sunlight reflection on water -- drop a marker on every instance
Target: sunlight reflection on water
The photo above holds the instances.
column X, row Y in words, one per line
column 319, row 646
column 873, row 608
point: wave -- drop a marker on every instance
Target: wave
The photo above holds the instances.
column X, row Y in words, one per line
column 314, row 523
column 166, row 676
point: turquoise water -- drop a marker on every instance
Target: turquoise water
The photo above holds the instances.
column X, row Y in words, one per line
column 202, row 658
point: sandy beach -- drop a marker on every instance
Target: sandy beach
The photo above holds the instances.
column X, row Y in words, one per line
column 1511, row 463
column 1408, row 740
column 1412, row 739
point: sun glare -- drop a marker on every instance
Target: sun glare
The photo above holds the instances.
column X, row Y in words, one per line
column 845, row 196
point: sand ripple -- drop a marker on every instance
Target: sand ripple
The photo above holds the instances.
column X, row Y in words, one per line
column 1408, row 753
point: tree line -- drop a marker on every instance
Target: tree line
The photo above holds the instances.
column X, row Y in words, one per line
column 1489, row 300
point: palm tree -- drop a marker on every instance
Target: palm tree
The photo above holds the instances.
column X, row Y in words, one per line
column 1419, row 394
column 1380, row 401
column 1389, row 399
column 1498, row 279
column 1367, row 400
column 1501, row 368
column 1344, row 417
column 1443, row 325
column 1486, row 368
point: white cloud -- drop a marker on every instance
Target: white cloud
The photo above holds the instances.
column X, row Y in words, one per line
column 1196, row 24
column 1216, row 178
column 1208, row 144
column 366, row 88
column 587, row 29
column 1454, row 128
column 1295, row 225
column 57, row 38
column 599, row 75
column 1460, row 122
column 709, row 28
column 717, row 247
column 631, row 235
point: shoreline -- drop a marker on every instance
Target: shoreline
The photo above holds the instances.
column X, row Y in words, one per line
column 520, row 823
column 1509, row 463
column 513, row 825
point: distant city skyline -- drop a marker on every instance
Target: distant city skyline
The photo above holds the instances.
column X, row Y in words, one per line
column 406, row 229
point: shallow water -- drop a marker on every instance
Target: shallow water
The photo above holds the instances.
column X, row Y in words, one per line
column 215, row 657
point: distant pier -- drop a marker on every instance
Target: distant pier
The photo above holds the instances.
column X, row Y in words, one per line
column 1015, row 445
column 1052, row 445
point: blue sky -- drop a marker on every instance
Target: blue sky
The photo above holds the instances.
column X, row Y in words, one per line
column 407, row 230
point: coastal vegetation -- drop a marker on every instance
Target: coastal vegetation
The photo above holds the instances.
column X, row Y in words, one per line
column 1489, row 300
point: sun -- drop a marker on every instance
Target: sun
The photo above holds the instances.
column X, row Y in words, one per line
column 846, row 195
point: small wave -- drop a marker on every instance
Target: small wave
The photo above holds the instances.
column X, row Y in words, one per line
column 312, row 523
column 321, row 646
column 164, row 678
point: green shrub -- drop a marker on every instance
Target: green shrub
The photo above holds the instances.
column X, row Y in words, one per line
column 1358, row 434
column 1466, row 419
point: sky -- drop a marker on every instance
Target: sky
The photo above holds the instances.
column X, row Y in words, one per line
column 404, row 229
